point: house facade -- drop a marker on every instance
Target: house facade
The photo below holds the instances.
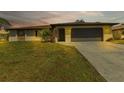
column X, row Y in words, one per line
column 26, row 33
column 82, row 31
column 65, row 32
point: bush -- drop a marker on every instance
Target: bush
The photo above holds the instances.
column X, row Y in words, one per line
column 117, row 35
column 46, row 35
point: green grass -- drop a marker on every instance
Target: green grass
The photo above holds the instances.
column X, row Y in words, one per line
column 118, row 41
column 36, row 61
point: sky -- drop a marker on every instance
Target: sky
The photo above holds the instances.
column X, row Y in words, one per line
column 32, row 18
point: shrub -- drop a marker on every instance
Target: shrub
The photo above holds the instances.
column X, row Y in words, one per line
column 117, row 35
column 46, row 35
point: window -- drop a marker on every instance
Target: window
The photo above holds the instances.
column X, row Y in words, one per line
column 13, row 33
column 21, row 33
column 30, row 33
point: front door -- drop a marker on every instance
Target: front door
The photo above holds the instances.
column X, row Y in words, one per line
column 62, row 34
column 21, row 35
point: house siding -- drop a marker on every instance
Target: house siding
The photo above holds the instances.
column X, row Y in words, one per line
column 29, row 36
column 107, row 32
column 68, row 34
column 13, row 35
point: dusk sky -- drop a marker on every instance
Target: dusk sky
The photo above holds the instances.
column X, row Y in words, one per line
column 28, row 18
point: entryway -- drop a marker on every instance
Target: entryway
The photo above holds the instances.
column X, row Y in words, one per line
column 61, row 34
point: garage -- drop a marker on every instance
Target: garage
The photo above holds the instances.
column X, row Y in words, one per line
column 86, row 34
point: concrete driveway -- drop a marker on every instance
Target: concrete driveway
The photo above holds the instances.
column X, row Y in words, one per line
column 107, row 58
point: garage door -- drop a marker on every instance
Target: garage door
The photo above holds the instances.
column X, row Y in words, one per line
column 86, row 34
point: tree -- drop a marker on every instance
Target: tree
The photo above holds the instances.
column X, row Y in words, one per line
column 46, row 35
column 80, row 20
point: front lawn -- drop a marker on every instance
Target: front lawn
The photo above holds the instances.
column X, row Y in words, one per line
column 36, row 61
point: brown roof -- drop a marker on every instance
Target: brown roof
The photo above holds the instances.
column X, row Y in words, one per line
column 62, row 24
column 83, row 23
column 29, row 27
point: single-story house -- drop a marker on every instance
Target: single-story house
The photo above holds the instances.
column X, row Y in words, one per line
column 31, row 33
column 82, row 31
column 64, row 32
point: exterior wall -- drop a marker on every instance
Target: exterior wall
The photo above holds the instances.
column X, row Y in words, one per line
column 32, row 38
column 68, row 31
column 68, row 34
column 27, row 38
column 107, row 32
column 13, row 37
column 55, row 34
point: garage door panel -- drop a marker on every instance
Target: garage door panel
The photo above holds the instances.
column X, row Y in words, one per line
column 86, row 34
column 85, row 39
